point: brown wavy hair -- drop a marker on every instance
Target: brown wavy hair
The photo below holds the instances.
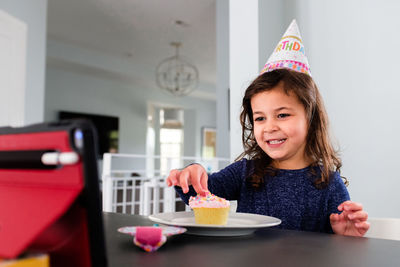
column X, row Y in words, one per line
column 318, row 147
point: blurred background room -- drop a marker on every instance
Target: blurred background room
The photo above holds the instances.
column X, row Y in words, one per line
column 163, row 80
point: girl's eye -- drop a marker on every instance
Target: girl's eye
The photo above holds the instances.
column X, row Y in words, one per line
column 259, row 119
column 283, row 115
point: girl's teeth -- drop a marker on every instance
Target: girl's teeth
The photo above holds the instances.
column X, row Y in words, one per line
column 274, row 142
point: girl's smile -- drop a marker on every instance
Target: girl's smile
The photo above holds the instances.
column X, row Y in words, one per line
column 280, row 127
column 275, row 143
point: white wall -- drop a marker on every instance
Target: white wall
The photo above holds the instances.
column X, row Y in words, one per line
column 340, row 44
column 353, row 52
column 272, row 26
column 352, row 49
column 81, row 85
column 34, row 14
column 13, row 35
column 243, row 62
column 272, row 17
column 222, row 79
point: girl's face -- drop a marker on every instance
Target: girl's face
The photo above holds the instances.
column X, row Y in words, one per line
column 280, row 127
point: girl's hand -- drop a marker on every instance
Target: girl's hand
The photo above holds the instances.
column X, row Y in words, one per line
column 352, row 221
column 194, row 175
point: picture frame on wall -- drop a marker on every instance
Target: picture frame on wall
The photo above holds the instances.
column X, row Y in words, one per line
column 208, row 142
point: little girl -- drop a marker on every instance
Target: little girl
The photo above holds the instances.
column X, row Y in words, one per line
column 288, row 169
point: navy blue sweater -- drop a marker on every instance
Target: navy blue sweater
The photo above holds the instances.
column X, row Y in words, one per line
column 289, row 195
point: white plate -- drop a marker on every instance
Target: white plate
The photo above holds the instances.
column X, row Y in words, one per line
column 166, row 230
column 238, row 223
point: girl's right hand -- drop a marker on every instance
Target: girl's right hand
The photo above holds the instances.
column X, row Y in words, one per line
column 194, row 175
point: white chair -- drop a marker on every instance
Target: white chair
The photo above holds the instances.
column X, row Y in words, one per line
column 152, row 192
column 385, row 228
column 145, row 192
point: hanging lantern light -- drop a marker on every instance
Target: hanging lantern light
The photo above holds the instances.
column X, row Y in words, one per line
column 176, row 75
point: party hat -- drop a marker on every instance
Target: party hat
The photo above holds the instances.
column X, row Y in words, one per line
column 289, row 53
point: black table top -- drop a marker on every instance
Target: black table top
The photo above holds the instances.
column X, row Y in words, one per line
column 266, row 247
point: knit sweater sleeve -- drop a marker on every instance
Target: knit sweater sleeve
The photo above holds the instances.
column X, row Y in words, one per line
column 226, row 183
column 337, row 194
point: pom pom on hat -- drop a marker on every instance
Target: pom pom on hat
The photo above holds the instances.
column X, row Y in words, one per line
column 289, row 53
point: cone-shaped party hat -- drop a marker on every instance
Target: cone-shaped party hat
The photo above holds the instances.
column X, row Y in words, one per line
column 289, row 53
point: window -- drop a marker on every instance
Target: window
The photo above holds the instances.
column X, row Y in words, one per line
column 171, row 141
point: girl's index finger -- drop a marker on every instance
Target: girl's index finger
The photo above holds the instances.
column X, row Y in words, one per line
column 195, row 176
column 197, row 186
column 203, row 182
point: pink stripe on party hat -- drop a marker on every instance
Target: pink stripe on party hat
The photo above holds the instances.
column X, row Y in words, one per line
column 289, row 53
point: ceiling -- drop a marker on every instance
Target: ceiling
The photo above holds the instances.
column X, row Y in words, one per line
column 140, row 30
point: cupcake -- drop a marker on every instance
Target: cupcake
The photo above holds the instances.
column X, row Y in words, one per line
column 210, row 209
